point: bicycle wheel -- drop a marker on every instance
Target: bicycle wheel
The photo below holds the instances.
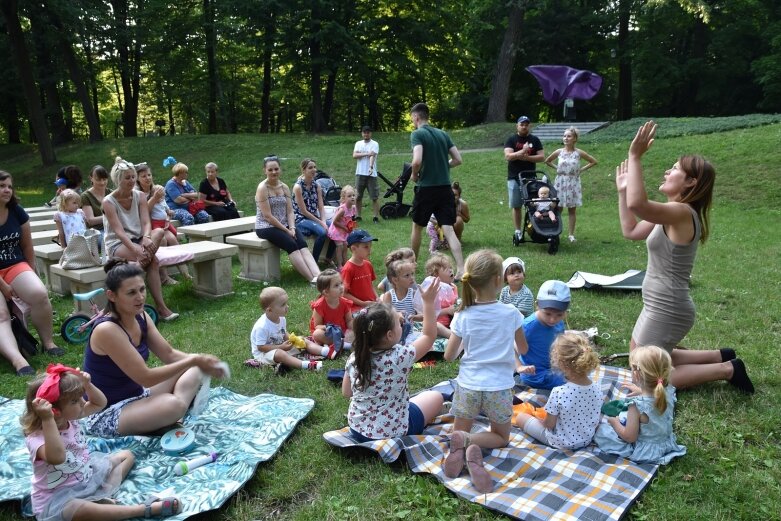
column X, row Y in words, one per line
column 71, row 329
column 152, row 312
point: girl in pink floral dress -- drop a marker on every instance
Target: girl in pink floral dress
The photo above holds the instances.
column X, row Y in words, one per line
column 343, row 223
column 568, row 172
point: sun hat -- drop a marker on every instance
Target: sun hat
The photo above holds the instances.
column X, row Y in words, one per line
column 553, row 294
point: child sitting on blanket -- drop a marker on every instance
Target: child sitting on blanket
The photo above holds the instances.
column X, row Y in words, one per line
column 491, row 336
column 402, row 295
column 573, row 409
column 439, row 266
column 541, row 328
column 332, row 321
column 269, row 339
column 69, row 481
column 405, row 254
column 376, row 374
column 647, row 434
column 516, row 292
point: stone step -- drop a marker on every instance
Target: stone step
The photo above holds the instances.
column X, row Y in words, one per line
column 552, row 132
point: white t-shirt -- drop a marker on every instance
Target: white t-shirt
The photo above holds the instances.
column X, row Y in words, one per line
column 487, row 333
column 362, row 147
column 266, row 332
column 379, row 411
column 578, row 408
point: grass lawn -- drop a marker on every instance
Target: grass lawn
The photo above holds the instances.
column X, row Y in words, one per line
column 733, row 466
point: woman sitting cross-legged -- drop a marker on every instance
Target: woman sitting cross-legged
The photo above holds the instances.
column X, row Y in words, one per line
column 141, row 399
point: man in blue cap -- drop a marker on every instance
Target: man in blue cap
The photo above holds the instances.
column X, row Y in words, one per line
column 521, row 151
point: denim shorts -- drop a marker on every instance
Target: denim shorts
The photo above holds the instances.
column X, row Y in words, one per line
column 514, row 193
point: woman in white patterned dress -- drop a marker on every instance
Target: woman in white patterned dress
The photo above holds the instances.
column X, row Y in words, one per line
column 568, row 172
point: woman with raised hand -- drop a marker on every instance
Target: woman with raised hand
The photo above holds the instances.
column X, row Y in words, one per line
column 141, row 399
column 275, row 220
column 18, row 279
column 672, row 231
column 128, row 230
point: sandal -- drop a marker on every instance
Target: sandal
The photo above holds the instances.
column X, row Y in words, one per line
column 480, row 478
column 454, row 463
column 169, row 506
column 55, row 351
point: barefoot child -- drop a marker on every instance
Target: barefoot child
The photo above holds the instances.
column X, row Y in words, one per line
column 343, row 223
column 491, row 336
column 69, row 482
column 332, row 321
column 573, row 409
column 358, row 273
column 647, row 436
column 376, row 374
column 516, row 292
column 269, row 339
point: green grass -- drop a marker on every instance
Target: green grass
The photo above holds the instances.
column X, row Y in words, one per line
column 732, row 468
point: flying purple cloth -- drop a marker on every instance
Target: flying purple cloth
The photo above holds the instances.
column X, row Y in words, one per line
column 559, row 82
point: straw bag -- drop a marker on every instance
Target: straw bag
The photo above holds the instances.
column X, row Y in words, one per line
column 82, row 251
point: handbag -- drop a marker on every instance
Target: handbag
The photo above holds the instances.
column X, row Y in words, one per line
column 25, row 341
column 82, row 251
column 196, row 206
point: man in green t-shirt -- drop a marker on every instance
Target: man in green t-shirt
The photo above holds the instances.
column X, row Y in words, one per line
column 433, row 155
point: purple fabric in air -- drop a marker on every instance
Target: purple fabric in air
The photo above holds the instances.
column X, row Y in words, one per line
column 559, row 82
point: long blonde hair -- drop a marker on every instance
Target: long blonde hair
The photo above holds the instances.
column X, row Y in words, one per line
column 653, row 364
column 481, row 268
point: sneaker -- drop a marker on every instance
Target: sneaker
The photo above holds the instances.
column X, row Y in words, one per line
column 572, row 238
column 376, row 220
column 315, row 366
column 518, row 235
column 333, row 352
column 357, row 218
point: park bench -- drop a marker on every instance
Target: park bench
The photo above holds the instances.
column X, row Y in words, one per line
column 212, row 272
column 217, row 230
column 259, row 258
column 44, row 237
column 42, row 216
column 46, row 256
column 40, row 226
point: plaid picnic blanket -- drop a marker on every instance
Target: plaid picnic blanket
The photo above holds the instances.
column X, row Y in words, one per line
column 243, row 430
column 531, row 481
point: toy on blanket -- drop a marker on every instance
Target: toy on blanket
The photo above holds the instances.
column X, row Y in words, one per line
column 177, row 442
column 614, row 407
column 526, row 407
column 185, row 466
column 297, row 341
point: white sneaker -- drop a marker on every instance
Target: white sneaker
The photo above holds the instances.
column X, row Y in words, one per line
column 572, row 238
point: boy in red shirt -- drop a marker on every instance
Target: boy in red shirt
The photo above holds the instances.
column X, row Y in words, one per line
column 358, row 272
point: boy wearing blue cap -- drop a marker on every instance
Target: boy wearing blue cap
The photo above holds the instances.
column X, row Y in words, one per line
column 358, row 272
column 540, row 329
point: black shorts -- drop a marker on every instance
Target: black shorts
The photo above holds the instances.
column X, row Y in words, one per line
column 437, row 200
column 282, row 239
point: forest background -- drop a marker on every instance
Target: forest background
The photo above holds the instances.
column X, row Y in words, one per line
column 89, row 69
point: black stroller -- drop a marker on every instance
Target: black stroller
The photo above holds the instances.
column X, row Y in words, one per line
column 331, row 190
column 392, row 210
column 540, row 230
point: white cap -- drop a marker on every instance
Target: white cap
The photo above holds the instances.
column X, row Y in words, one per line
column 512, row 261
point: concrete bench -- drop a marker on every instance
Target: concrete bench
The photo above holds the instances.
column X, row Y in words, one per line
column 40, row 226
column 42, row 216
column 259, row 258
column 44, row 237
column 217, row 230
column 46, row 256
column 212, row 272
column 36, row 209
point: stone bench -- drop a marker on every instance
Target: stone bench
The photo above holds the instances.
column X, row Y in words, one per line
column 212, row 272
column 42, row 216
column 40, row 226
column 259, row 258
column 217, row 230
column 37, row 209
column 46, row 256
column 44, row 237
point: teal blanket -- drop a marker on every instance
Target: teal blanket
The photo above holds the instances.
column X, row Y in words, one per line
column 243, row 430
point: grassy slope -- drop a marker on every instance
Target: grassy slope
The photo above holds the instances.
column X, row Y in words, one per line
column 733, row 441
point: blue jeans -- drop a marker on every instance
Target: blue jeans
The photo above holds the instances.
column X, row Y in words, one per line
column 184, row 217
column 310, row 228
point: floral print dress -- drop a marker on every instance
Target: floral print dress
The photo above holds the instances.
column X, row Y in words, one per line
column 567, row 182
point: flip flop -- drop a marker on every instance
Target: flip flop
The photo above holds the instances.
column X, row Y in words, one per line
column 55, row 351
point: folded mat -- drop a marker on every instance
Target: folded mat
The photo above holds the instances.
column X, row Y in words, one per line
column 243, row 430
column 532, row 481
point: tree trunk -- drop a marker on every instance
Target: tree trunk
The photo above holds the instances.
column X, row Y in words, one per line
column 129, row 53
column 12, row 122
column 624, row 109
column 211, row 62
column 23, row 65
column 318, row 123
column 268, row 49
column 328, row 104
column 503, row 71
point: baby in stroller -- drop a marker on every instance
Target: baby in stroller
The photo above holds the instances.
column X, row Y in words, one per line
column 546, row 228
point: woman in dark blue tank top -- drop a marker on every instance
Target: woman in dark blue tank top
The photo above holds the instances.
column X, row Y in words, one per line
column 141, row 399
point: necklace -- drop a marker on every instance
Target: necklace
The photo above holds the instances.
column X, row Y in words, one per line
column 485, row 301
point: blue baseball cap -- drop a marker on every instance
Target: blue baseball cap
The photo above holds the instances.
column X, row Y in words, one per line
column 61, row 181
column 523, row 119
column 359, row 235
column 553, row 294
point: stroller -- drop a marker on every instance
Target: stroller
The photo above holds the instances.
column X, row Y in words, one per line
column 391, row 210
column 542, row 230
column 331, row 190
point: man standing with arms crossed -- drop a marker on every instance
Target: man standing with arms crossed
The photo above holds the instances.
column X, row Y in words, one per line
column 521, row 151
column 433, row 155
column 365, row 151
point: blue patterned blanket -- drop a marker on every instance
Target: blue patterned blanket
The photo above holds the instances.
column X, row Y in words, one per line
column 243, row 430
column 532, row 482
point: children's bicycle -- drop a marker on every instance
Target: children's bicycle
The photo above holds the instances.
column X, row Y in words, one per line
column 77, row 327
